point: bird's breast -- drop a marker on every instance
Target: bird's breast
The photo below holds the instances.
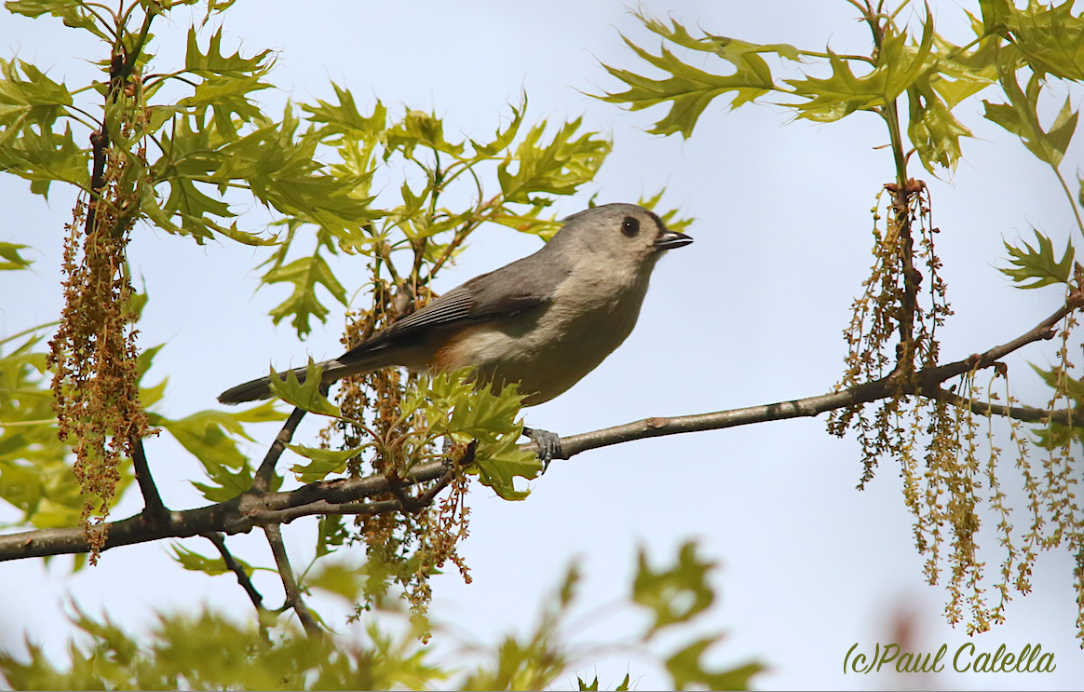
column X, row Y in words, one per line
column 549, row 348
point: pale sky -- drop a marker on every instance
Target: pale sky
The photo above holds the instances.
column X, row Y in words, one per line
column 752, row 313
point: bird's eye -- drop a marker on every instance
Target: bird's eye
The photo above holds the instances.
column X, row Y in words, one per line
column 630, row 226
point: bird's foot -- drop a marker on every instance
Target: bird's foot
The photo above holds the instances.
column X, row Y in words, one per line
column 549, row 445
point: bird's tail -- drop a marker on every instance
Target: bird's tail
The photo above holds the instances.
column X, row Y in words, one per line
column 261, row 388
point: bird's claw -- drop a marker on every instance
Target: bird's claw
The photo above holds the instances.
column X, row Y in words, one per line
column 549, row 445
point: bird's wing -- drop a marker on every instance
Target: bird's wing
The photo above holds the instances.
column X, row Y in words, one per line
column 519, row 286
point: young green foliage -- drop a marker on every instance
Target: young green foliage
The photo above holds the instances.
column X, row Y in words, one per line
column 195, row 562
column 211, row 437
column 676, row 595
column 1039, row 266
column 304, row 393
column 10, row 253
column 207, row 651
column 447, row 405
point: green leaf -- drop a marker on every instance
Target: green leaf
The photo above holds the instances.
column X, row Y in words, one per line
column 338, row 578
column 995, row 15
column 503, row 138
column 304, row 394
column 498, row 464
column 148, row 396
column 839, row 95
column 213, row 62
column 1063, row 383
column 331, row 534
column 10, row 252
column 902, row 63
column 1039, row 266
column 73, row 12
column 189, row 202
column 195, row 562
column 898, row 67
column 1019, row 117
column 208, row 435
column 36, row 100
column 304, row 274
column 322, row 462
column 529, row 222
column 677, row 594
column 265, row 412
column 227, row 97
column 236, row 235
column 227, row 82
column 45, row 157
column 1050, row 38
column 209, row 651
column 686, row 668
column 20, row 486
column 454, row 406
column 731, row 50
column 690, row 90
column 35, row 473
column 281, row 172
column 933, row 129
column 557, row 168
column 418, row 128
column 345, row 118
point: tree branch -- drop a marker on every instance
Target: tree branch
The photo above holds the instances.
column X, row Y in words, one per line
column 234, row 566
column 154, row 510
column 925, row 382
column 343, row 496
column 262, row 481
column 289, row 582
column 285, row 516
column 1027, row 414
column 237, row 515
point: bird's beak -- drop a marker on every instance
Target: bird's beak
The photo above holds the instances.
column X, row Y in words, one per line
column 670, row 240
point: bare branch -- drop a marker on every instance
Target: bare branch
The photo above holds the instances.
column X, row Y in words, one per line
column 925, row 382
column 1026, row 414
column 343, row 496
column 266, row 472
column 154, row 510
column 289, row 582
column 234, row 566
column 237, row 515
column 285, row 516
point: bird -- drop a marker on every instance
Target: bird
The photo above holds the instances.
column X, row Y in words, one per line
column 544, row 321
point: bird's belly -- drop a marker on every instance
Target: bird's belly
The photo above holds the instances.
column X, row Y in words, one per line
column 545, row 354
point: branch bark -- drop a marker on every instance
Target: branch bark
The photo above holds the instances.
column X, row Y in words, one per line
column 154, row 510
column 346, row 496
column 234, row 566
column 289, row 582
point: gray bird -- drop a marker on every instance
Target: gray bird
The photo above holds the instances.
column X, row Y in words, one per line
column 544, row 321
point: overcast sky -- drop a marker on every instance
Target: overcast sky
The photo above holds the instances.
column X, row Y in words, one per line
column 752, row 313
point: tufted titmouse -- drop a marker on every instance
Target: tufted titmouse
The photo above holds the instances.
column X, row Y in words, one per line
column 543, row 321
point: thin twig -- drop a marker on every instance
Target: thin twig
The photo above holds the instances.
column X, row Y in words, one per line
column 262, row 481
column 234, row 566
column 1027, row 414
column 927, row 383
column 289, row 582
column 322, row 507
